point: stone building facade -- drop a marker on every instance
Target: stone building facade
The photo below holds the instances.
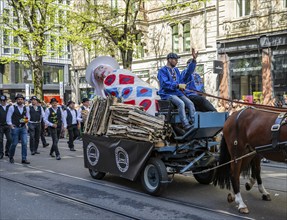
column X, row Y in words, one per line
column 178, row 29
column 249, row 36
column 252, row 43
column 15, row 77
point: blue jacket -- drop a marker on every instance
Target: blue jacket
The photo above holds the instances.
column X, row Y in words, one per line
column 168, row 86
column 187, row 77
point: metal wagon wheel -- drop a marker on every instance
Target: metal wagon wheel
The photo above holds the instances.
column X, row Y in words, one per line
column 96, row 174
column 154, row 177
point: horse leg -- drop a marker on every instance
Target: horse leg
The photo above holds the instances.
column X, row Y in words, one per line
column 252, row 180
column 265, row 195
column 235, row 171
column 250, row 184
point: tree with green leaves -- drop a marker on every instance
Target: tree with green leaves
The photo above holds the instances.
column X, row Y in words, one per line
column 30, row 23
column 108, row 27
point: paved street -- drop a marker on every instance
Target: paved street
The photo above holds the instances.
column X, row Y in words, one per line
column 59, row 190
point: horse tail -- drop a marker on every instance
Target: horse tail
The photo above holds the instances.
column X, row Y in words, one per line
column 222, row 174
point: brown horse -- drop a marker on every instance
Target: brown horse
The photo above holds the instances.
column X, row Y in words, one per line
column 242, row 133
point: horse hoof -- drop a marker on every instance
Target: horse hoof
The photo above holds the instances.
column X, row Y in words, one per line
column 247, row 186
column 266, row 197
column 244, row 210
column 230, row 198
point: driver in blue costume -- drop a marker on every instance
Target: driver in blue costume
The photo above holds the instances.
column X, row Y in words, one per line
column 194, row 83
column 172, row 89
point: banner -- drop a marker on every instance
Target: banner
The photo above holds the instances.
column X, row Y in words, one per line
column 118, row 156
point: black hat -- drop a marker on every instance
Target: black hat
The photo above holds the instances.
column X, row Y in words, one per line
column 85, row 100
column 172, row 56
column 35, row 98
column 19, row 96
column 70, row 102
column 53, row 100
column 3, row 97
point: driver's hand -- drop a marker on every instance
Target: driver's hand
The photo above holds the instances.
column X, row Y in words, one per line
column 182, row 86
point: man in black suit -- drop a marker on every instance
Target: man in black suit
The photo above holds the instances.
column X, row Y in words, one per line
column 71, row 124
column 4, row 127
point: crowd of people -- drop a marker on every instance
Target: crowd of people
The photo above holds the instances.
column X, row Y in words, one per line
column 20, row 118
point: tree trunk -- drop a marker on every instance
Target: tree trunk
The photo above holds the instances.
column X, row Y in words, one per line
column 127, row 58
column 38, row 78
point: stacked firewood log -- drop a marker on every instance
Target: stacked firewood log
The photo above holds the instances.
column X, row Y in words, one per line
column 111, row 118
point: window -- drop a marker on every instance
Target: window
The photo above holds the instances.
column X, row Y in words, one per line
column 16, row 44
column 175, row 38
column 87, row 93
column 243, row 7
column 22, row 74
column 53, row 74
column 52, row 45
column 52, row 17
column 144, row 75
column 15, row 17
column 139, row 46
column 186, row 37
column 6, row 15
column 279, row 70
column 82, row 80
column 61, row 16
column 69, row 50
column 246, row 79
column 114, row 5
column 200, row 69
column 6, row 41
column 6, row 73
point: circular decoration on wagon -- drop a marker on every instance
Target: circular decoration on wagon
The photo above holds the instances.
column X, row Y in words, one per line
column 146, row 103
column 122, row 159
column 110, row 79
column 93, row 154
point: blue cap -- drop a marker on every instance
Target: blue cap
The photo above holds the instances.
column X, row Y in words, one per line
column 172, row 56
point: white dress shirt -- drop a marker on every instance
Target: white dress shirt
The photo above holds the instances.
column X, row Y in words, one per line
column 4, row 106
column 80, row 118
column 74, row 117
column 11, row 111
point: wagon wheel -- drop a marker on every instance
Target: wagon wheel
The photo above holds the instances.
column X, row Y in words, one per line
column 154, row 177
column 204, row 178
column 96, row 174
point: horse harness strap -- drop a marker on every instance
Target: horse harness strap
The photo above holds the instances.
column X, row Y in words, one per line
column 235, row 143
column 275, row 129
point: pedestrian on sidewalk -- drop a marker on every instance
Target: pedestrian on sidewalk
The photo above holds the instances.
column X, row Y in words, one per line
column 83, row 113
column 71, row 124
column 17, row 118
column 54, row 120
column 4, row 127
column 43, row 128
column 36, row 113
